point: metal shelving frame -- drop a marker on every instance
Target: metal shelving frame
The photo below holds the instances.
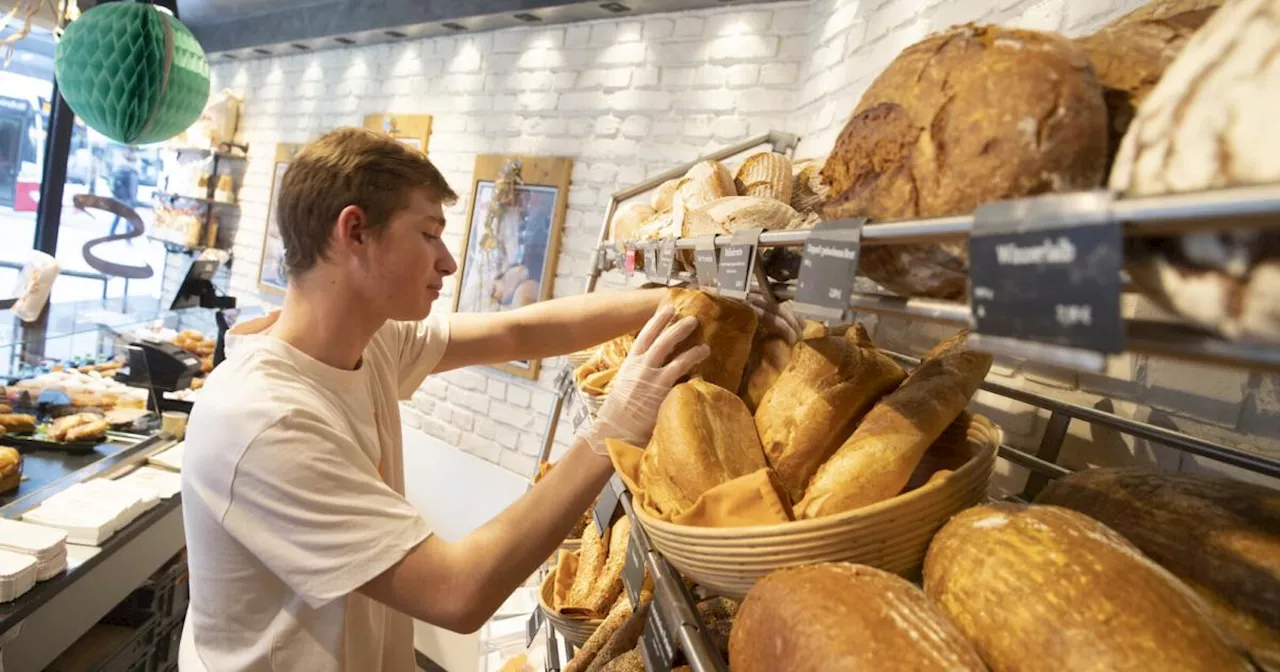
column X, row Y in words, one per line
column 1141, row 217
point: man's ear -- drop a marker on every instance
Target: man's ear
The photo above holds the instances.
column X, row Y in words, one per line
column 352, row 227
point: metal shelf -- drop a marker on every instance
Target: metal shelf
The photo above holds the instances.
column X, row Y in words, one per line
column 1219, row 210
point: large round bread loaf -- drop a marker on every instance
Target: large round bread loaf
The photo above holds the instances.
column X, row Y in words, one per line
column 704, row 437
column 1190, row 14
column 1220, row 536
column 841, row 616
column 828, row 385
column 1046, row 588
column 629, row 218
column 967, row 116
column 1209, row 124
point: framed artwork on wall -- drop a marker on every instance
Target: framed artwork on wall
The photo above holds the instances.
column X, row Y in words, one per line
column 512, row 237
column 413, row 130
column 272, row 278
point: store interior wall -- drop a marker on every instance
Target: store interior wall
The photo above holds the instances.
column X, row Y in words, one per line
column 630, row 98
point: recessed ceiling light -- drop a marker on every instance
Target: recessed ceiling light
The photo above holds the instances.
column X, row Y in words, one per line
column 229, row 56
column 453, row 26
column 615, row 7
column 528, row 18
column 264, row 52
column 394, row 33
column 300, row 47
column 344, row 40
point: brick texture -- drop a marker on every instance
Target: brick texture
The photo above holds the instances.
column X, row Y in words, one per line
column 630, row 98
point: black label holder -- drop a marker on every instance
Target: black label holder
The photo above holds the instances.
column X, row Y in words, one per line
column 1045, row 279
column 737, row 260
column 828, row 269
column 705, row 265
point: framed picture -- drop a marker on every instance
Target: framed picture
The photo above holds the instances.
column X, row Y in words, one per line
column 272, row 278
column 512, row 237
column 413, row 130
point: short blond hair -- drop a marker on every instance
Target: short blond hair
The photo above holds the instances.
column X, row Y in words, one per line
column 348, row 166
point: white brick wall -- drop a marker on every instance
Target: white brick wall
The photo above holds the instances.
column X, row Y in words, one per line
column 629, row 98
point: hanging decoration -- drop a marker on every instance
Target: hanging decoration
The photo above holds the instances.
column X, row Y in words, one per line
column 132, row 72
column 62, row 11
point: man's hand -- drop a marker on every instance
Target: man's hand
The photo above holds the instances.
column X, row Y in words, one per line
column 648, row 373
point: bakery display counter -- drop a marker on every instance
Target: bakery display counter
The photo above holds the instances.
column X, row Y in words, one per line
column 41, row 623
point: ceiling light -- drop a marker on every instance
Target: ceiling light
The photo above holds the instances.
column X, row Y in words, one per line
column 344, row 40
column 528, row 18
column 230, row 57
column 395, row 34
column 263, row 52
column 615, row 7
column 300, row 47
column 453, row 26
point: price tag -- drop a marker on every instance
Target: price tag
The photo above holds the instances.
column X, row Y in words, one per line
column 533, row 626
column 736, row 263
column 651, row 263
column 659, row 651
column 602, row 259
column 580, row 414
column 629, row 260
column 666, row 259
column 607, row 508
column 633, row 570
column 704, row 262
column 1046, row 271
column 827, row 269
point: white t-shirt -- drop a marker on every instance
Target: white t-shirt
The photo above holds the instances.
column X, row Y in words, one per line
column 293, row 497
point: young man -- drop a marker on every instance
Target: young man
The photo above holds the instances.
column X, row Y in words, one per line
column 304, row 553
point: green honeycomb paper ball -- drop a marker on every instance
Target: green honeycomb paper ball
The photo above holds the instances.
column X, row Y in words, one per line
column 132, row 72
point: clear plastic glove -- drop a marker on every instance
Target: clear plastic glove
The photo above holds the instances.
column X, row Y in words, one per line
column 777, row 318
column 649, row 372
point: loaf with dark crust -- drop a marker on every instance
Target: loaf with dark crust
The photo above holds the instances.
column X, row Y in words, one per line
column 1042, row 588
column 841, row 616
column 1189, row 14
column 1220, row 536
column 968, row 116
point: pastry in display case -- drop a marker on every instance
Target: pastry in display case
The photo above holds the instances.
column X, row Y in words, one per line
column 10, row 467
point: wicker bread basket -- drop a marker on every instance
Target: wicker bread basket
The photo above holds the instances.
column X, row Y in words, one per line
column 891, row 535
column 575, row 631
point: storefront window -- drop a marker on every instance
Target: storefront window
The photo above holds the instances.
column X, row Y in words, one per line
column 99, row 166
column 26, row 87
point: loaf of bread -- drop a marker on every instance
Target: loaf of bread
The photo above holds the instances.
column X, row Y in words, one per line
column 725, row 325
column 1189, row 14
column 736, row 213
column 608, row 583
column 613, row 621
column 808, row 193
column 704, row 437
column 876, row 462
column 1207, row 125
column 1220, row 536
column 1129, row 60
column 664, row 195
column 765, row 175
column 622, row 643
column 967, row 116
column 828, row 385
column 629, row 218
column 591, row 558
column 18, row 423
column 705, row 182
column 769, row 356
column 10, row 467
column 840, row 616
column 1046, row 588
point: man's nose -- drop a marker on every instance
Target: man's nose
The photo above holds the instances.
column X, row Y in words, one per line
column 447, row 265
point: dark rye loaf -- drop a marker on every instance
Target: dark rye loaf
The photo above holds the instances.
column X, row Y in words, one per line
column 841, row 616
column 970, row 115
column 1046, row 588
column 1221, row 537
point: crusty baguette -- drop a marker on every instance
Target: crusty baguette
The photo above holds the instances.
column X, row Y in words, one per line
column 704, row 437
column 608, row 583
column 828, row 385
column 876, row 462
column 725, row 325
column 90, row 430
column 1042, row 588
column 622, row 641
column 1220, row 536
column 618, row 615
column 839, row 616
column 769, row 356
column 591, row 558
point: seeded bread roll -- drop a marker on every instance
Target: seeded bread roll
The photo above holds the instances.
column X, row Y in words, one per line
column 968, row 116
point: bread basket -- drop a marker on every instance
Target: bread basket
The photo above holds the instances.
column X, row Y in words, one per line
column 891, row 535
column 576, row 631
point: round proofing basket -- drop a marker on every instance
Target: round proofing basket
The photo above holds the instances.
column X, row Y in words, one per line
column 580, row 357
column 576, row 631
column 891, row 535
